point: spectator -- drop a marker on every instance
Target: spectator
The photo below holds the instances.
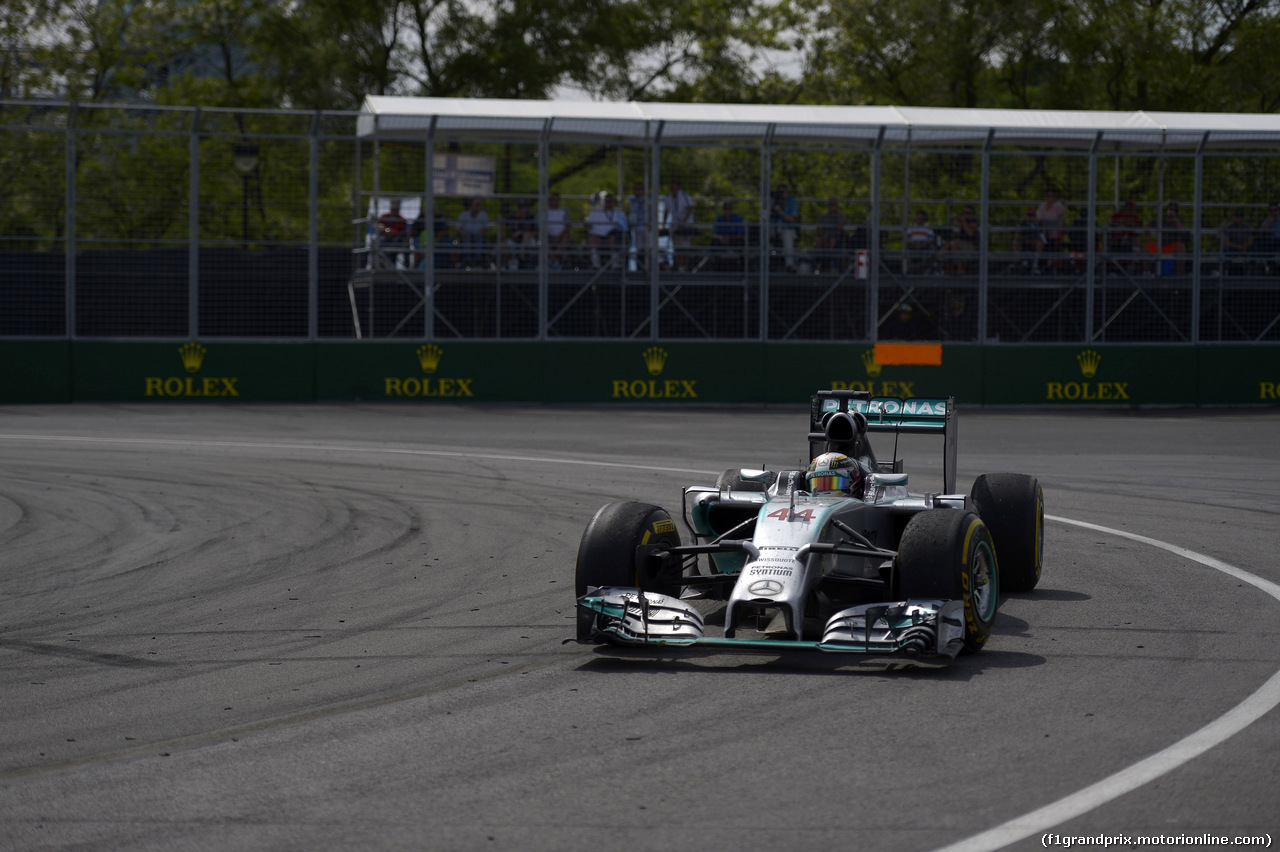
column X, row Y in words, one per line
column 473, row 228
column 964, row 244
column 729, row 236
column 829, row 242
column 522, row 235
column 921, row 242
column 440, row 236
column 637, row 217
column 392, row 234
column 1028, row 242
column 902, row 326
column 1236, row 238
column 559, row 231
column 958, row 322
column 784, row 215
column 1123, row 230
column 1170, row 237
column 1051, row 215
column 1174, row 232
column 679, row 223
column 606, row 225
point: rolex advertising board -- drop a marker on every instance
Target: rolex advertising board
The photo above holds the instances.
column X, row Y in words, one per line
column 430, row 371
column 900, row 370
column 192, row 370
column 635, row 372
column 655, row 372
column 1089, row 375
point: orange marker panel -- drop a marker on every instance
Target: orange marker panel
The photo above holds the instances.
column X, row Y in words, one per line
column 921, row 354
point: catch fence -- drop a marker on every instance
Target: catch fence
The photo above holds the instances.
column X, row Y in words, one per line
column 774, row 224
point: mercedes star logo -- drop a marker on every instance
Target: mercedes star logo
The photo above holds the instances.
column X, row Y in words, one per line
column 765, row 588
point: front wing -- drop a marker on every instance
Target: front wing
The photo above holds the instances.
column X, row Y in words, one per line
column 631, row 617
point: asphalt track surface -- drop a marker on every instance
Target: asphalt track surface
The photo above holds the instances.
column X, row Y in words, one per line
column 340, row 627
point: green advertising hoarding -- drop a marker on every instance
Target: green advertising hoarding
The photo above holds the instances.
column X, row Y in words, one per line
column 426, row 371
column 190, row 371
column 639, row 372
column 35, row 371
column 654, row 372
column 794, row 371
column 1235, row 375
column 1075, row 376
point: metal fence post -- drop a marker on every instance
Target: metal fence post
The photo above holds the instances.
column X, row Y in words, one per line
column 984, row 228
column 193, row 228
column 313, row 231
column 69, row 248
column 873, row 242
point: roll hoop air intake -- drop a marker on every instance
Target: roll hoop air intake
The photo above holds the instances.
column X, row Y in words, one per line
column 843, row 430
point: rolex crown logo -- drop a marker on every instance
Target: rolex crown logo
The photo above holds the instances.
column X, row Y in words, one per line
column 429, row 357
column 1089, row 361
column 655, row 357
column 192, row 356
column 869, row 361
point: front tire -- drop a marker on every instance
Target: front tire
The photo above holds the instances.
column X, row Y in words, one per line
column 1012, row 507
column 947, row 554
column 607, row 554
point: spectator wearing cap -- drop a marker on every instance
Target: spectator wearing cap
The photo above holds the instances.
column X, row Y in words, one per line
column 393, row 235
column 902, row 326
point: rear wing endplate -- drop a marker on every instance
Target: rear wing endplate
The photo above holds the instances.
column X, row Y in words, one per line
column 930, row 416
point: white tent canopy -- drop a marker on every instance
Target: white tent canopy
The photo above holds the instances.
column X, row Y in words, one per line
column 408, row 118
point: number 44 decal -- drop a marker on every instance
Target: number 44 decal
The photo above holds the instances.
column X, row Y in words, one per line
column 802, row 515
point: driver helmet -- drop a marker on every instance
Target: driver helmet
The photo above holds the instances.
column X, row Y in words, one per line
column 834, row 472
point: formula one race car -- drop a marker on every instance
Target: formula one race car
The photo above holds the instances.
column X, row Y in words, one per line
column 836, row 558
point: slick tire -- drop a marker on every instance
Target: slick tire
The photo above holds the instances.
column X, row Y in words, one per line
column 607, row 552
column 947, row 554
column 1012, row 507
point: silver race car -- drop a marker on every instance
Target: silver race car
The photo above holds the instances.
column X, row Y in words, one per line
column 839, row 557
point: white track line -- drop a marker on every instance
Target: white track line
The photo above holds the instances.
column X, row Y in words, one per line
column 350, row 448
column 1235, row 720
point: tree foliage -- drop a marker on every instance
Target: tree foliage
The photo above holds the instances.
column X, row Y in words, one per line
column 1181, row 55
column 1215, row 55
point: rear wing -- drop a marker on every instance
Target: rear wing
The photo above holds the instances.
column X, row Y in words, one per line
column 889, row 414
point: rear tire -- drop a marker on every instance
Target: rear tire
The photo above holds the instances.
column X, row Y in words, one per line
column 1012, row 507
column 947, row 554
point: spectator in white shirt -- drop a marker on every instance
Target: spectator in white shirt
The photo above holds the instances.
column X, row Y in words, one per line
column 605, row 226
